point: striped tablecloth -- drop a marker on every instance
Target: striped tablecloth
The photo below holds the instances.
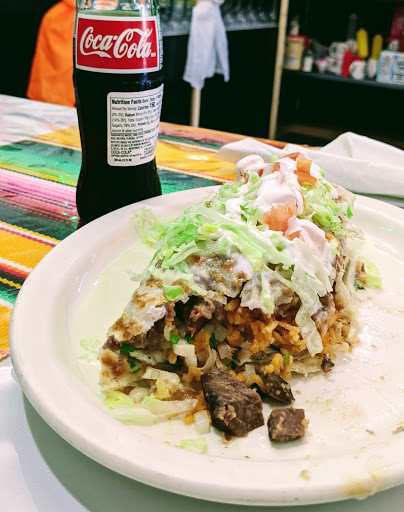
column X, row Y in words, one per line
column 38, row 175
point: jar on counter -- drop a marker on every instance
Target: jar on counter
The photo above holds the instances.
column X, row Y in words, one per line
column 294, row 48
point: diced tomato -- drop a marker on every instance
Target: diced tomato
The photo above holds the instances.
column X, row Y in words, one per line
column 277, row 217
column 292, row 156
column 303, row 165
column 305, row 178
column 294, row 235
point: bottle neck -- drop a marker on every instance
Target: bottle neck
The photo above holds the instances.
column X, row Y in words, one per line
column 124, row 7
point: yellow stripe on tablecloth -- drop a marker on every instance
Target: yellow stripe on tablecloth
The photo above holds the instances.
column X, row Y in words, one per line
column 33, row 234
column 21, row 250
column 5, row 315
column 69, row 137
column 10, row 283
column 193, row 161
column 182, row 157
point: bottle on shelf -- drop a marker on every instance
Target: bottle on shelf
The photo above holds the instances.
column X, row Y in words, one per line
column 294, row 29
column 352, row 27
column 362, row 43
column 308, row 57
column 294, row 45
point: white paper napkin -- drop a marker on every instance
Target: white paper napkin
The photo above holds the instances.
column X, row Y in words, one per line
column 207, row 44
column 360, row 164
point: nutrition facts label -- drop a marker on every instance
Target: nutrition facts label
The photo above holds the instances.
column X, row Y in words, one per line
column 133, row 120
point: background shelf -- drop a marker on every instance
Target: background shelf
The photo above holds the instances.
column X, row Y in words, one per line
column 314, row 107
column 184, row 31
column 288, row 73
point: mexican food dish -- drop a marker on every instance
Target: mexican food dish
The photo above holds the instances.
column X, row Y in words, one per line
column 250, row 285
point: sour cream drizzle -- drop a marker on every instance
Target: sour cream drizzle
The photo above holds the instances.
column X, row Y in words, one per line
column 280, row 185
column 278, row 188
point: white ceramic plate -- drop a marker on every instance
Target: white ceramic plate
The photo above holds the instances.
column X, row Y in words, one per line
column 349, row 449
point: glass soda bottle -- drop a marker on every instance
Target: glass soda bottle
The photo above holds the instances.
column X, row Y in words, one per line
column 118, row 82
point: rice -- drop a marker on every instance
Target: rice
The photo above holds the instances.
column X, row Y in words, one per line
column 245, row 325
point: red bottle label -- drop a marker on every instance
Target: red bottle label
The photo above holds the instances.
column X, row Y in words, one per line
column 117, row 44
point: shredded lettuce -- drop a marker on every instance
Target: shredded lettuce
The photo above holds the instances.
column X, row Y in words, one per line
column 167, row 383
column 172, row 293
column 198, row 445
column 148, row 411
column 373, row 277
column 180, row 254
column 148, row 225
column 309, row 331
column 91, row 345
column 123, row 408
column 267, row 298
column 117, row 399
column 323, row 210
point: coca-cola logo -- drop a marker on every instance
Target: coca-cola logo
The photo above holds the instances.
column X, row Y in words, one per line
column 121, row 47
column 116, row 44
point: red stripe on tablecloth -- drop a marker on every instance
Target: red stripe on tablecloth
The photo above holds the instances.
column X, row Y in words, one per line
column 14, row 271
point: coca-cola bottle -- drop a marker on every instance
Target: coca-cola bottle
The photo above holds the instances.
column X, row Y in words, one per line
column 118, row 84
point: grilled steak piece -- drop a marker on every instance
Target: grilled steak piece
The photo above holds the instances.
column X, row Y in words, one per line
column 170, row 314
column 277, row 388
column 325, row 315
column 111, row 344
column 286, row 424
column 327, row 365
column 264, row 357
column 234, row 408
column 198, row 311
column 155, row 337
column 152, row 340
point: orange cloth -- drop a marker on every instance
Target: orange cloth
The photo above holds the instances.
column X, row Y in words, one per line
column 51, row 77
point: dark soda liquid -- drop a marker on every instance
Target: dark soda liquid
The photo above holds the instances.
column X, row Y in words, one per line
column 101, row 187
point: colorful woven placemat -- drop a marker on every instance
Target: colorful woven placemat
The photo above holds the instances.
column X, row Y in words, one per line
column 38, row 177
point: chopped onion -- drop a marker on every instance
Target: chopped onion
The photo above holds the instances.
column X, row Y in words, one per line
column 245, row 353
column 148, row 356
column 210, row 362
column 249, row 370
column 224, row 350
column 221, row 333
column 187, row 351
column 154, row 374
column 202, row 423
column 169, row 407
column 139, row 394
column 167, row 332
column 209, row 328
